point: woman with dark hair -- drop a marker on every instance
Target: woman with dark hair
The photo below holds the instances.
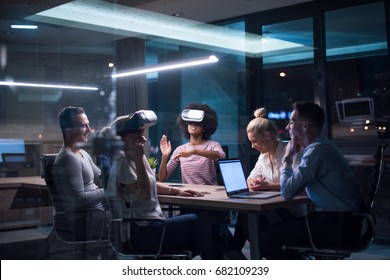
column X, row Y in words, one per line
column 197, row 157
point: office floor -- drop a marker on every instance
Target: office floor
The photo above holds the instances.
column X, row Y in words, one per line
column 376, row 251
column 39, row 249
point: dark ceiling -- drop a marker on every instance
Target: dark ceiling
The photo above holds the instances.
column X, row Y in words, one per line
column 69, row 39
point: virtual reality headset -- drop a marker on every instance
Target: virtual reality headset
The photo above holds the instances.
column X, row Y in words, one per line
column 192, row 115
column 141, row 119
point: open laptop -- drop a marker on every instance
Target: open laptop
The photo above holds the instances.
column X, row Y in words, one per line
column 234, row 181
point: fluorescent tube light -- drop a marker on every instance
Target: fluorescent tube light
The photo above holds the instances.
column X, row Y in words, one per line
column 20, row 84
column 24, row 26
column 167, row 66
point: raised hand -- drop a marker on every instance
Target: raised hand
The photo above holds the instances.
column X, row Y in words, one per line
column 292, row 147
column 165, row 146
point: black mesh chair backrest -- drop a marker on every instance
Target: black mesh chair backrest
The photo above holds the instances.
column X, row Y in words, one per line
column 47, row 164
column 67, row 230
column 378, row 172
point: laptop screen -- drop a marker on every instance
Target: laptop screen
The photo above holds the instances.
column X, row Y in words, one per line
column 232, row 175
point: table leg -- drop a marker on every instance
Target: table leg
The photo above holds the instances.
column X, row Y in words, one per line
column 254, row 236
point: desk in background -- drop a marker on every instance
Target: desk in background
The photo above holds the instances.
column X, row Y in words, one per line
column 25, row 202
column 216, row 199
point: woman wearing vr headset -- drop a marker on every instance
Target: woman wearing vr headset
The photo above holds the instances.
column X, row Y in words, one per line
column 197, row 158
column 135, row 184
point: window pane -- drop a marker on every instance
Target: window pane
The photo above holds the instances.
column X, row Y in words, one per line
column 357, row 71
column 288, row 77
column 220, row 85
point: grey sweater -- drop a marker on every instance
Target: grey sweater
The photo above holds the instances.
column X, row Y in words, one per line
column 74, row 177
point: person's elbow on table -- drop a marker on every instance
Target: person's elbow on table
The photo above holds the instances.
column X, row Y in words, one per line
column 285, row 193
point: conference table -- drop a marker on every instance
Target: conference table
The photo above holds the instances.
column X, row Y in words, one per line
column 215, row 198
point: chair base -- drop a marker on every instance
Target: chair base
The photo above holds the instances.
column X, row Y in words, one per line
column 181, row 255
column 322, row 254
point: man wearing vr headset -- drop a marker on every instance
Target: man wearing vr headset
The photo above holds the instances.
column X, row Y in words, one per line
column 134, row 183
column 197, row 158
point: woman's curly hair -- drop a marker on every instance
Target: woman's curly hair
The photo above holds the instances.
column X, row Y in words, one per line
column 209, row 123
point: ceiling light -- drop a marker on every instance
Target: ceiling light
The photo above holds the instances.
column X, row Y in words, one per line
column 24, row 26
column 126, row 21
column 21, row 84
column 167, row 66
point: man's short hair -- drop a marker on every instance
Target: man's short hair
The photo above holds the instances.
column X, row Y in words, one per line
column 68, row 116
column 310, row 111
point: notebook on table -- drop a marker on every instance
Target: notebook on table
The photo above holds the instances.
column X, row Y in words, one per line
column 234, row 181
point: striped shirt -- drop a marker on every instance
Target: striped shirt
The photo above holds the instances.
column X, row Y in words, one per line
column 196, row 169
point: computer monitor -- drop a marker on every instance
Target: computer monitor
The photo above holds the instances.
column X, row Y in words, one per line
column 355, row 109
column 11, row 146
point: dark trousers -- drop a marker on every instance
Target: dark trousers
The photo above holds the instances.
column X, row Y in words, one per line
column 241, row 234
column 183, row 232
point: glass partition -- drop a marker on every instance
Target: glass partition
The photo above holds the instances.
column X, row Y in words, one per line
column 357, row 71
column 221, row 86
column 288, row 77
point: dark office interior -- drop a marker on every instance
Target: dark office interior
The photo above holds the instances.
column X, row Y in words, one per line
column 334, row 53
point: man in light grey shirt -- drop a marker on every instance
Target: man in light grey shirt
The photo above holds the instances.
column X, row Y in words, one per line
column 77, row 180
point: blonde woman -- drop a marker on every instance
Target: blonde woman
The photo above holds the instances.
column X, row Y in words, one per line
column 264, row 137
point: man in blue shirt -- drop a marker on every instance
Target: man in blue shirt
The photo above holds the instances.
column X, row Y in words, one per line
column 326, row 177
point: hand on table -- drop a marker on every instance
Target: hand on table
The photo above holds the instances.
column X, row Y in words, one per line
column 190, row 193
column 258, row 184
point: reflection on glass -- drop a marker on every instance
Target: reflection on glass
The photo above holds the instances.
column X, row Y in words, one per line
column 297, row 31
column 288, row 77
column 356, row 32
column 357, row 70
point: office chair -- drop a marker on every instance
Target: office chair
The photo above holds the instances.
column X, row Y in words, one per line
column 67, row 232
column 358, row 239
column 119, row 226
